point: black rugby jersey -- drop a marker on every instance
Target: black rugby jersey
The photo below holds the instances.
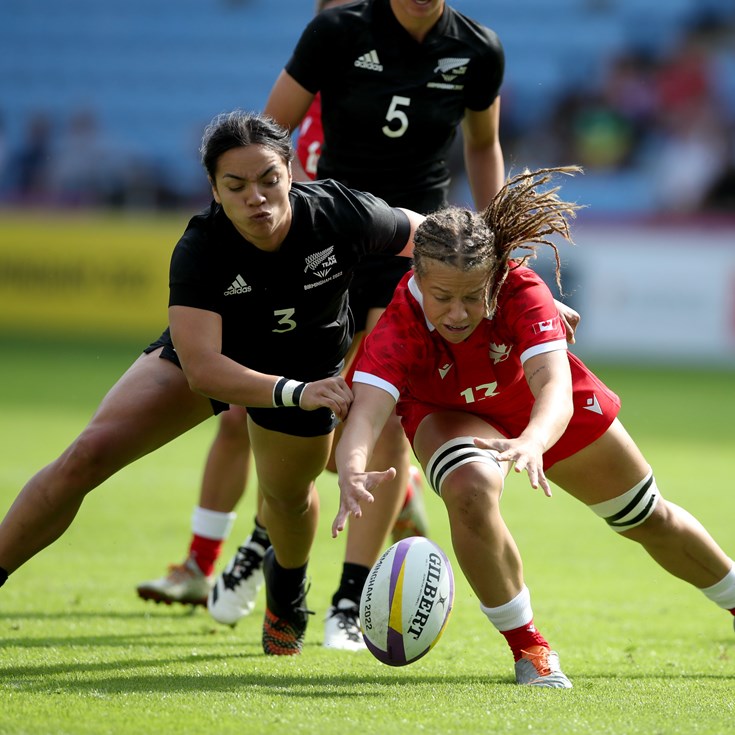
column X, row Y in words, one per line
column 391, row 105
column 286, row 312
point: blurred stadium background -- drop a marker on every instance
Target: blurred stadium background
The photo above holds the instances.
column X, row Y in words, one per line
column 102, row 107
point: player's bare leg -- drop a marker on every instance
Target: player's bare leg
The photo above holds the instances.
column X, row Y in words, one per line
column 223, row 484
column 366, row 536
column 287, row 467
column 471, row 486
column 610, row 467
column 149, row 406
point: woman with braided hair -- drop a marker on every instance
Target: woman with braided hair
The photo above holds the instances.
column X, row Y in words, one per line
column 472, row 352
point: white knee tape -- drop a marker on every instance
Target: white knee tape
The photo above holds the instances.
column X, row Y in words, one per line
column 629, row 509
column 453, row 454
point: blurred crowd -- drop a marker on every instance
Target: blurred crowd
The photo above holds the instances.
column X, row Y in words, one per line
column 671, row 118
column 667, row 118
column 74, row 163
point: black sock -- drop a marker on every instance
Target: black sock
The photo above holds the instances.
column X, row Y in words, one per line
column 288, row 583
column 3, row 576
column 260, row 535
column 351, row 584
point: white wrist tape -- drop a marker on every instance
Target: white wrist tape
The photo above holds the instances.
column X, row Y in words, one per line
column 287, row 393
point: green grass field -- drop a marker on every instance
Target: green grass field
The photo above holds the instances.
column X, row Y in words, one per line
column 81, row 654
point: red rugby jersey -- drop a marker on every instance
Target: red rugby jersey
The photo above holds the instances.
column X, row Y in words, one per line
column 483, row 375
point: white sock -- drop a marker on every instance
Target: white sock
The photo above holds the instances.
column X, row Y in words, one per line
column 211, row 524
column 513, row 614
column 723, row 593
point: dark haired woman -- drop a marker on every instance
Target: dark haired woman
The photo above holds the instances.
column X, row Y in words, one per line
column 258, row 317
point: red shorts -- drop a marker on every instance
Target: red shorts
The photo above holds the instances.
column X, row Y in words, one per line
column 595, row 408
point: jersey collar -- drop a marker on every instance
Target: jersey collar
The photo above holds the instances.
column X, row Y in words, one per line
column 383, row 16
column 416, row 293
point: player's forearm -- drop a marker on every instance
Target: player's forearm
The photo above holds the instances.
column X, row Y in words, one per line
column 552, row 410
column 485, row 168
column 355, row 446
column 219, row 377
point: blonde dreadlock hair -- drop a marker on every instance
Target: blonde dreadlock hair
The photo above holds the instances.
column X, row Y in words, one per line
column 520, row 216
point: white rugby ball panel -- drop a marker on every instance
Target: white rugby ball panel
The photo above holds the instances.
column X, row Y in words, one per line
column 406, row 601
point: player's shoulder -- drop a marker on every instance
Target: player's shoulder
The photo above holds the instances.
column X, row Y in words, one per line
column 326, row 204
column 324, row 193
column 519, row 277
column 522, row 289
column 332, row 195
column 204, row 225
column 343, row 18
column 471, row 32
column 405, row 309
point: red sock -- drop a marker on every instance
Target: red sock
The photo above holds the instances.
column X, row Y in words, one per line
column 413, row 477
column 409, row 495
column 524, row 637
column 205, row 552
column 732, row 612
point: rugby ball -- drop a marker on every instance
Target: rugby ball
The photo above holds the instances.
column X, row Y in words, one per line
column 406, row 601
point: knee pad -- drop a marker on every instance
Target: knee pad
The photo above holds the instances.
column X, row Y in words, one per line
column 453, row 454
column 629, row 509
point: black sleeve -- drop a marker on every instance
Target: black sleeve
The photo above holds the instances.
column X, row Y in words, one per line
column 313, row 54
column 403, row 231
column 485, row 75
column 188, row 277
column 368, row 222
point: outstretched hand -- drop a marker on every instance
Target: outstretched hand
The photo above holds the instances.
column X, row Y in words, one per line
column 355, row 490
column 524, row 453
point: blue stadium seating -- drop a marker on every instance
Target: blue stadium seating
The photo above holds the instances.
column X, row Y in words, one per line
column 154, row 71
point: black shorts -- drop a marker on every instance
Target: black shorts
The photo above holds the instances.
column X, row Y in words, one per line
column 169, row 353
column 293, row 420
column 373, row 282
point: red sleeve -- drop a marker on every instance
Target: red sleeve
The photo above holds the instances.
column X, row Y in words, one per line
column 392, row 347
column 527, row 308
column 311, row 137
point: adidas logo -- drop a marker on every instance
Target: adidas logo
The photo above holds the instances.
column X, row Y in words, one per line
column 369, row 61
column 238, row 286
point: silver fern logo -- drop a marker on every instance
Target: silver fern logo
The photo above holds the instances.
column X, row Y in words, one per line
column 458, row 66
column 323, row 259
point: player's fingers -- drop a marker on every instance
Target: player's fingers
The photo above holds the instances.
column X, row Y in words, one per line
column 339, row 408
column 376, row 478
column 345, row 509
column 500, row 446
column 506, row 456
column 339, row 522
column 544, row 484
column 532, row 475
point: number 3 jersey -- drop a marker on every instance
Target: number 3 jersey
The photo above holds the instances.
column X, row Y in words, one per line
column 405, row 356
column 286, row 312
column 391, row 105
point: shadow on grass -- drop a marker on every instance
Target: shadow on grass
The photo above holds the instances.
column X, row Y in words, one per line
column 147, row 612
column 230, row 665
column 71, row 679
column 125, row 640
